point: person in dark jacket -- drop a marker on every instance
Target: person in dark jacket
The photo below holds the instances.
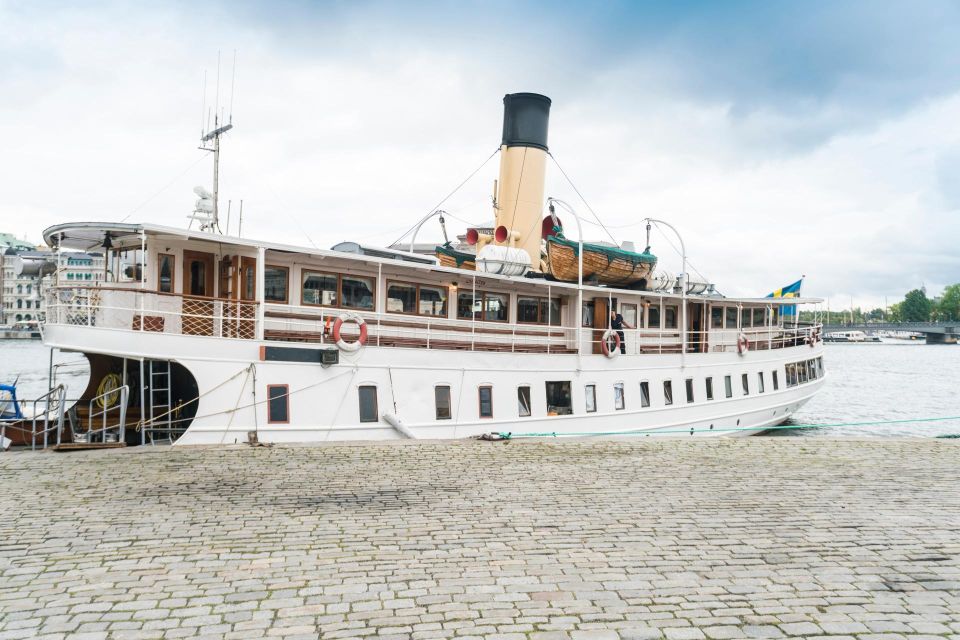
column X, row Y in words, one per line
column 617, row 323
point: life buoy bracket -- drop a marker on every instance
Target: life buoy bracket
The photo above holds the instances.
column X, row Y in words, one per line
column 342, row 344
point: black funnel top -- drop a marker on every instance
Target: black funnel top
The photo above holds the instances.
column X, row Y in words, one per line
column 526, row 117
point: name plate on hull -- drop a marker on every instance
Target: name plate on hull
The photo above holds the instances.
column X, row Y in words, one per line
column 326, row 357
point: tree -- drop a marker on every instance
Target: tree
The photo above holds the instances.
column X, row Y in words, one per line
column 916, row 307
column 949, row 306
column 896, row 312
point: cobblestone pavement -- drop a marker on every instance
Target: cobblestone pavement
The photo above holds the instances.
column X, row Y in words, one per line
column 750, row 538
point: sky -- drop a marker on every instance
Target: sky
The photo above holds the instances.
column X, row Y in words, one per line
column 780, row 138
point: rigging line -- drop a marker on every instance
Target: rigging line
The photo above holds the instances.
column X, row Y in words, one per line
column 447, row 197
column 679, row 253
column 166, row 186
column 287, row 212
column 570, row 182
column 516, row 203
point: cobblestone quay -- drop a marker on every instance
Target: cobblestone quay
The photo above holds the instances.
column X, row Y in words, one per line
column 750, row 538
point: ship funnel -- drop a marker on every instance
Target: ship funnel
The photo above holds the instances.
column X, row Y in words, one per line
column 518, row 202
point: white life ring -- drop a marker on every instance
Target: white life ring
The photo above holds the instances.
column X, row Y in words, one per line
column 743, row 343
column 342, row 344
column 605, row 343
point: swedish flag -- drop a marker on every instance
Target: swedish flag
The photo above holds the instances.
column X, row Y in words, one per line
column 789, row 291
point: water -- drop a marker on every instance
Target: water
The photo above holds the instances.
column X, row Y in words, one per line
column 867, row 382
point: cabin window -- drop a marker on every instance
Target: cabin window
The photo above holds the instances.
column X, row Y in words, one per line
column 523, row 401
column 745, row 318
column 629, row 313
column 278, row 403
column 319, row 289
column 760, row 382
column 791, row 376
column 644, row 394
column 716, row 317
column 486, row 401
column 403, row 297
column 165, row 273
column 356, row 292
column 667, row 392
column 248, row 279
column 731, row 316
column 432, row 301
column 728, row 386
column 491, row 307
column 803, row 372
column 689, row 385
column 820, row 365
column 776, row 381
column 587, row 314
column 538, row 310
column 368, row 403
column 618, row 400
column 709, row 388
column 441, row 396
column 670, row 317
column 759, row 317
column 590, row 394
column 559, row 401
column 745, row 380
column 653, row 317
column 275, row 284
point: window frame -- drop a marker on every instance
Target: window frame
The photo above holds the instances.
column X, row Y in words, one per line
column 590, row 396
column 569, row 390
column 644, row 394
column 761, row 387
column 728, row 386
column 637, row 318
column 480, row 389
column 376, row 403
column 622, row 399
column 436, row 402
column 667, row 393
column 776, row 381
column 708, row 387
column 286, row 400
column 688, row 386
column 286, row 288
column 482, row 297
column 540, row 300
column 173, row 272
column 745, row 383
column 416, row 303
column 339, row 276
column 520, row 389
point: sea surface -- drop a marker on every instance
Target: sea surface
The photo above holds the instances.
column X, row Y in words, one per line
column 897, row 380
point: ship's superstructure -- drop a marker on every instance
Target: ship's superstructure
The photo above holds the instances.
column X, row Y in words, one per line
column 216, row 339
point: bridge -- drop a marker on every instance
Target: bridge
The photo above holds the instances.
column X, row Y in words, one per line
column 935, row 332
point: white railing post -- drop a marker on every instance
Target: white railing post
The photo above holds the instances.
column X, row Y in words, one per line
column 261, row 293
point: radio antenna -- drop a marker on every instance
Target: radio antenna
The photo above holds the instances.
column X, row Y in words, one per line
column 233, row 81
column 209, row 212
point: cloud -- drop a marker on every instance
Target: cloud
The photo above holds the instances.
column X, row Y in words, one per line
column 781, row 139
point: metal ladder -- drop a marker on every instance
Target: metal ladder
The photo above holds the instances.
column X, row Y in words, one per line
column 159, row 402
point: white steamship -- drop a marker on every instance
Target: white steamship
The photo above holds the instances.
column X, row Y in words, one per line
column 201, row 338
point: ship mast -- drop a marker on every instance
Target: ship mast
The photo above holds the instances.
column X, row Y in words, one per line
column 214, row 135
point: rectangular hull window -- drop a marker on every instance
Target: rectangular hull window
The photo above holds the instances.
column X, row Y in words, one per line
column 559, row 400
column 442, row 397
column 590, row 393
column 165, row 272
column 618, row 400
column 486, row 402
column 689, row 384
column 709, row 388
column 667, row 392
column 523, row 401
column 760, row 382
column 746, row 384
column 644, row 394
column 278, row 403
column 776, row 381
column 728, row 386
column 368, row 404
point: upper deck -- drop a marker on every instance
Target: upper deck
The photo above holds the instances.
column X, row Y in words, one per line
column 190, row 283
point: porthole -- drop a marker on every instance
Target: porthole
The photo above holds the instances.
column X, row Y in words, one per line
column 738, row 422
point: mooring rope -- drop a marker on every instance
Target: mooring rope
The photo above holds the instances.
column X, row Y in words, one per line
column 692, row 430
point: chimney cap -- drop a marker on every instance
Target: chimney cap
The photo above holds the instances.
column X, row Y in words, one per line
column 526, row 118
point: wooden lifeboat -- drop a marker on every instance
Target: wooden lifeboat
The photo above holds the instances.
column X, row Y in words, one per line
column 450, row 257
column 605, row 264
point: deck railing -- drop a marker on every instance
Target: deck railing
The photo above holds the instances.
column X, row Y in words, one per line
column 149, row 311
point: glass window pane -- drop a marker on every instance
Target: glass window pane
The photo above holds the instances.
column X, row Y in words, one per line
column 590, row 392
column 559, row 402
column 523, row 401
column 760, row 382
column 618, row 400
column 441, row 396
column 689, row 385
column 166, row 274
column 731, row 317
column 667, row 392
column 401, row 298
column 745, row 317
column 275, row 283
column 746, row 384
column 528, row 310
column 644, row 394
column 467, row 307
column 670, row 317
column 629, row 313
column 555, row 312
column 716, row 317
column 319, row 288
column 653, row 317
column 278, row 403
column 486, row 402
column 587, row 313
column 495, row 307
column 368, row 404
column 357, row 292
column 759, row 316
column 433, row 301
column 776, row 381
column 709, row 388
column 728, row 386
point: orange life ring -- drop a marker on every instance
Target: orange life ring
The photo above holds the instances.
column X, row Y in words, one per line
column 605, row 343
column 342, row 344
column 743, row 344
